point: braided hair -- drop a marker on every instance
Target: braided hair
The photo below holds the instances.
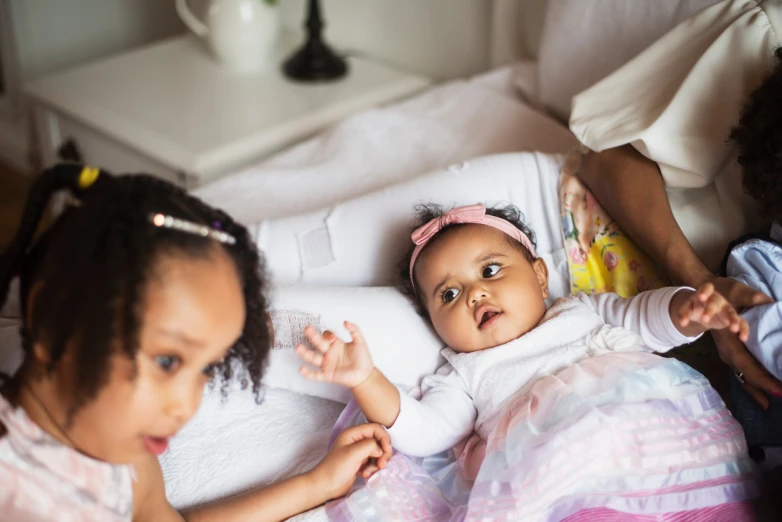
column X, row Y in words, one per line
column 427, row 212
column 91, row 266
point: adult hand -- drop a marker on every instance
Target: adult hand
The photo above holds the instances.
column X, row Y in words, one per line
column 756, row 378
column 738, row 294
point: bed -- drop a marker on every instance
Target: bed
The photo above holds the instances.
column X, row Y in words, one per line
column 234, row 444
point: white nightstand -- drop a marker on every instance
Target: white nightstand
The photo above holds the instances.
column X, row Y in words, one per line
column 170, row 110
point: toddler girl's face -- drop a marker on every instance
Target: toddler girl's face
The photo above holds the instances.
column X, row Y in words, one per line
column 193, row 313
column 480, row 290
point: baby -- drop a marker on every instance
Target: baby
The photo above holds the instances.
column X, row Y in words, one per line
column 476, row 276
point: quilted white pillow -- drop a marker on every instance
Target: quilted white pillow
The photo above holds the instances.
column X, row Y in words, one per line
column 402, row 343
column 359, row 242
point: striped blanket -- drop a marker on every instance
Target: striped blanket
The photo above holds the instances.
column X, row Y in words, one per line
column 621, row 436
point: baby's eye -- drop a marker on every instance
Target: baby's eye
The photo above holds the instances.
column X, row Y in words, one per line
column 449, row 294
column 168, row 363
column 490, row 270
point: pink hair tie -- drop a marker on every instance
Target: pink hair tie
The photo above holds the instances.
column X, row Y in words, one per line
column 473, row 214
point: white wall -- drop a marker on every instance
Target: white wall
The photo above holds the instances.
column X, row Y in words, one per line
column 56, row 34
column 442, row 39
column 49, row 35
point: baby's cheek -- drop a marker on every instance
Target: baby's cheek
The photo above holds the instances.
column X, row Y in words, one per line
column 444, row 327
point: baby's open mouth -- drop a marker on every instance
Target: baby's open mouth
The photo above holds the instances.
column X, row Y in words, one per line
column 487, row 317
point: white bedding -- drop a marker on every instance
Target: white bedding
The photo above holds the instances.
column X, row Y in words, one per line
column 236, row 445
column 379, row 147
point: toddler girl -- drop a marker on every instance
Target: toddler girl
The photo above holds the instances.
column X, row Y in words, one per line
column 132, row 300
column 547, row 388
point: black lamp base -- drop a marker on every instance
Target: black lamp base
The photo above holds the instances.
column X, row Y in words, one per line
column 315, row 62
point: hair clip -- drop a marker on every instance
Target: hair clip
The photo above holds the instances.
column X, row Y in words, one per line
column 87, row 177
column 189, row 227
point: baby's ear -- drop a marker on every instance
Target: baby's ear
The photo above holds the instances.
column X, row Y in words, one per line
column 541, row 271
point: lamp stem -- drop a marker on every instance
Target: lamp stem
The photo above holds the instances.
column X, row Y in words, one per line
column 314, row 61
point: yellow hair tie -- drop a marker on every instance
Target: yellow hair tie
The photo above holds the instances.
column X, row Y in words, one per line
column 87, row 177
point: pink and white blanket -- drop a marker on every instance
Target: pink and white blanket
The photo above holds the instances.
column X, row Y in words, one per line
column 621, row 436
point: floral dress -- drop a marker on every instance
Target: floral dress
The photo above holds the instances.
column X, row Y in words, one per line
column 601, row 257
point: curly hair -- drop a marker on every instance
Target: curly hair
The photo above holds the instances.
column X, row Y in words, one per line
column 758, row 138
column 91, row 266
column 428, row 212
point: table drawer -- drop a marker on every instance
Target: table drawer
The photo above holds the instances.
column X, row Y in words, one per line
column 65, row 138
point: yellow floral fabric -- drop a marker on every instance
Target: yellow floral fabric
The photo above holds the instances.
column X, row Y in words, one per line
column 601, row 257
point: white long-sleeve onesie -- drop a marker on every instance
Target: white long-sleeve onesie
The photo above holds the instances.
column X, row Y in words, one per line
column 470, row 388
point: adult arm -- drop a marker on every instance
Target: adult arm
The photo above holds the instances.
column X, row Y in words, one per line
column 620, row 179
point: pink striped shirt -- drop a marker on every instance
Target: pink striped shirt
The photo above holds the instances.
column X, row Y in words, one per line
column 43, row 480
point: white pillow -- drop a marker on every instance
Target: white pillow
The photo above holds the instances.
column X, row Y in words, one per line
column 402, row 343
column 359, row 242
column 583, row 42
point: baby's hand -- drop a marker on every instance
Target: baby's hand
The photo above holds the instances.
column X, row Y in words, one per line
column 346, row 364
column 360, row 450
column 711, row 310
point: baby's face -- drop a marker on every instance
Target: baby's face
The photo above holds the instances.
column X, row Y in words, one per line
column 479, row 289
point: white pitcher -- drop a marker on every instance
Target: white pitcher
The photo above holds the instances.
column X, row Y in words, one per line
column 242, row 34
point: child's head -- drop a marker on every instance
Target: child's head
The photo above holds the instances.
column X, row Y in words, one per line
column 758, row 137
column 132, row 299
column 475, row 274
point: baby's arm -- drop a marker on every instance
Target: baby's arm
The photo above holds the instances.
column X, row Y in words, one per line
column 667, row 317
column 350, row 365
column 694, row 312
column 378, row 398
column 444, row 415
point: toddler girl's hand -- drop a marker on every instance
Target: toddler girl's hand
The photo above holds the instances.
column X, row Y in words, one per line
column 347, row 364
column 711, row 310
column 358, row 451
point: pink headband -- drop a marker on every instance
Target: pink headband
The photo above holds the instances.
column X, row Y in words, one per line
column 475, row 214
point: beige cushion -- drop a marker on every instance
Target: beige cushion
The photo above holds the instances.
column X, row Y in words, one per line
column 676, row 103
column 585, row 41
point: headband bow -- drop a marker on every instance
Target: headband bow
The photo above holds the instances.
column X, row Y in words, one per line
column 467, row 214
column 475, row 214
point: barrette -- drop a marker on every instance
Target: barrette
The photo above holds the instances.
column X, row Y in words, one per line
column 190, row 227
